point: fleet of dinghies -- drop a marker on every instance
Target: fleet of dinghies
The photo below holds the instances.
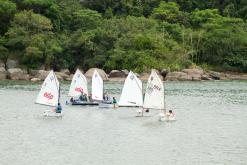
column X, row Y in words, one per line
column 132, row 93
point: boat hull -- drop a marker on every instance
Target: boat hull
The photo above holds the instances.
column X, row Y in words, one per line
column 85, row 103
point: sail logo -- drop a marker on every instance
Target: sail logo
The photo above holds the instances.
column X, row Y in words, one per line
column 151, row 87
column 79, row 89
column 52, row 78
column 132, row 77
column 48, row 95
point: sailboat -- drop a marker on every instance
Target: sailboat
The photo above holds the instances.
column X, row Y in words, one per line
column 50, row 94
column 97, row 91
column 155, row 95
column 97, row 87
column 131, row 95
column 77, row 87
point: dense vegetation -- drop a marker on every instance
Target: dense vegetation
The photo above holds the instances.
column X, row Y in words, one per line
column 125, row 34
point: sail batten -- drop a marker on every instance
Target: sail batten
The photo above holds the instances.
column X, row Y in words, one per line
column 49, row 92
column 78, row 84
column 132, row 92
column 97, row 86
column 154, row 95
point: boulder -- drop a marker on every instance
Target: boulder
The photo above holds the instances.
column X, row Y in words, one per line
column 2, row 64
column 69, row 78
column 3, row 73
column 215, row 75
column 164, row 72
column 102, row 73
column 237, row 76
column 126, row 72
column 61, row 75
column 35, row 79
column 11, row 63
column 193, row 71
column 185, row 77
column 17, row 74
column 144, row 76
column 66, row 71
column 116, row 73
column 175, row 76
column 137, row 75
column 42, row 74
column 33, row 72
column 206, row 77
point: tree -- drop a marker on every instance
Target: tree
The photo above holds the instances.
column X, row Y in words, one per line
column 7, row 11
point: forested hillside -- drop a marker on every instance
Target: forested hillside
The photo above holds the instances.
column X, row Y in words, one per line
column 125, row 34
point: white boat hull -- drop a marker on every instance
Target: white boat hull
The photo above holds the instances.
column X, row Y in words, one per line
column 105, row 105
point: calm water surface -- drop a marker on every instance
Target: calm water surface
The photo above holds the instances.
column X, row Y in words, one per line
column 211, row 128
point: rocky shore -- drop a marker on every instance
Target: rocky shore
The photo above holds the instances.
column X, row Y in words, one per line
column 15, row 73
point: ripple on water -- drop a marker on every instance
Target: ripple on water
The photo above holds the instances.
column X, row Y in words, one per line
column 210, row 128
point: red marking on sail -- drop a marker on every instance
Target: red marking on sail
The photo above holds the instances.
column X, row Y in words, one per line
column 79, row 89
column 48, row 95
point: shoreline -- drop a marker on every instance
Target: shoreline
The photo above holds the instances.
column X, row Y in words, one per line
column 196, row 74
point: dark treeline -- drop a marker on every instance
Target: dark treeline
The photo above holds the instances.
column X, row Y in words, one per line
column 125, row 34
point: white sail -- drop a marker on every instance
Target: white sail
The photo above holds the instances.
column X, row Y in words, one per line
column 49, row 93
column 154, row 95
column 78, row 84
column 132, row 91
column 97, row 86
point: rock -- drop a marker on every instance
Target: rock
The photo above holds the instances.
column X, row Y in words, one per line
column 3, row 73
column 116, row 73
column 137, row 75
column 61, row 75
column 175, row 76
column 193, row 71
column 33, row 72
column 144, row 76
column 2, row 64
column 69, row 78
column 17, row 74
column 117, row 79
column 11, row 63
column 237, row 76
column 102, row 73
column 206, row 77
column 185, row 77
column 42, row 74
column 66, row 71
column 35, row 79
column 126, row 72
column 215, row 75
column 164, row 72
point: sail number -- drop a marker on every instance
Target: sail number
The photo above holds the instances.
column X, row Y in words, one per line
column 48, row 95
column 151, row 87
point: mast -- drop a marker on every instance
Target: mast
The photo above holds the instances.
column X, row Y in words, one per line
column 58, row 86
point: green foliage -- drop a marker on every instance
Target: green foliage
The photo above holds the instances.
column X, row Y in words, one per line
column 86, row 19
column 7, row 11
column 125, row 34
column 167, row 11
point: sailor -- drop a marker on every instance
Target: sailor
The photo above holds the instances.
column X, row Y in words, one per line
column 85, row 97
column 71, row 100
column 170, row 114
column 81, row 96
column 114, row 101
column 58, row 108
column 90, row 97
